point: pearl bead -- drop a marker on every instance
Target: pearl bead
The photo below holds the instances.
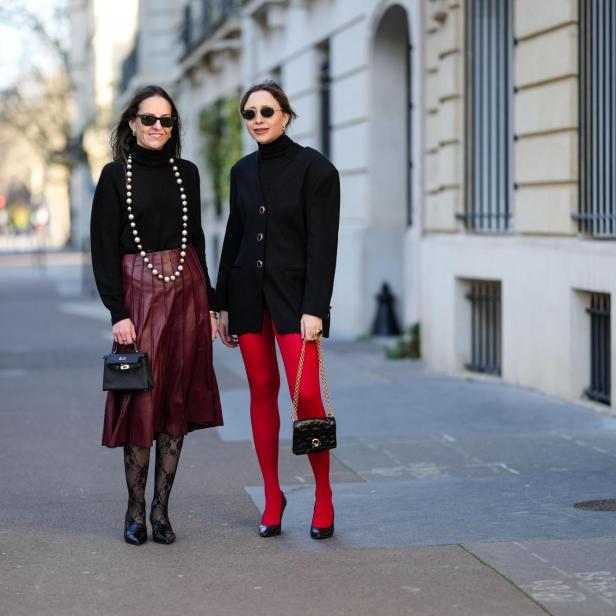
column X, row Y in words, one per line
column 172, row 277
column 182, row 254
column 139, row 246
column 146, row 259
column 184, row 217
column 129, row 194
column 171, row 161
column 166, row 279
column 128, row 187
column 185, row 209
column 185, row 224
column 182, row 260
column 180, row 268
column 150, row 266
column 160, row 277
column 155, row 272
column 184, row 232
column 175, row 167
column 137, row 241
column 129, row 208
column 129, row 200
column 183, row 197
column 177, row 174
column 133, row 225
column 179, row 180
column 131, row 216
column 177, row 274
column 129, row 174
column 183, row 246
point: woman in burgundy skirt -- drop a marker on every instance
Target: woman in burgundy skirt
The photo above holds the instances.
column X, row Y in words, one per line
column 148, row 256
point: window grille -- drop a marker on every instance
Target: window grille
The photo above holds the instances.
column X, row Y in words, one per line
column 597, row 96
column 600, row 348
column 485, row 299
column 489, row 42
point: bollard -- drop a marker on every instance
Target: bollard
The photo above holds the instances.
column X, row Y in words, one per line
column 385, row 322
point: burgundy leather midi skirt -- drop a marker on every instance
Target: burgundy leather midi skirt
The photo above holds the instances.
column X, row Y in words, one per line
column 172, row 322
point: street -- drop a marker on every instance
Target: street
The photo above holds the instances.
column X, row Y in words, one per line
column 453, row 496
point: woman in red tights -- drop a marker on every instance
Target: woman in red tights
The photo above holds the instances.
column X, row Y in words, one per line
column 275, row 283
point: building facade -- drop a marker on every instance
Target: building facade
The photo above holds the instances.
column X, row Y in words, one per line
column 475, row 143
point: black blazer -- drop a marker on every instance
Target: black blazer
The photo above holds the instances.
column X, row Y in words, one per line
column 283, row 250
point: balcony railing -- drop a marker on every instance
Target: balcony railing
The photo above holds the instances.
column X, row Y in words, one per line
column 202, row 18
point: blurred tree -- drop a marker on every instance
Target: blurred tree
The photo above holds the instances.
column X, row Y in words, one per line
column 39, row 104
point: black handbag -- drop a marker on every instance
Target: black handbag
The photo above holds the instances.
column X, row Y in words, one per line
column 127, row 371
column 316, row 433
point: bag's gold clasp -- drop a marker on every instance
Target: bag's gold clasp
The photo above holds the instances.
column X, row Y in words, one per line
column 316, row 442
column 124, row 366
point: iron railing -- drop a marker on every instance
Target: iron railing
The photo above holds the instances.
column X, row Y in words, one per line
column 489, row 136
column 485, row 351
column 600, row 348
column 597, row 120
column 202, row 18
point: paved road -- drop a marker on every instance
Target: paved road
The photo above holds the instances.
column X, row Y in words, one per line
column 452, row 496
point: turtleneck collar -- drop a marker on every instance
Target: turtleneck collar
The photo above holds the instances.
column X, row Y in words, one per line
column 150, row 158
column 276, row 148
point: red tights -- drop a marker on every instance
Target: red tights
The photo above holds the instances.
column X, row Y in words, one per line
column 259, row 355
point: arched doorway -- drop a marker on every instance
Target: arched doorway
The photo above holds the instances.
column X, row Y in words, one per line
column 390, row 160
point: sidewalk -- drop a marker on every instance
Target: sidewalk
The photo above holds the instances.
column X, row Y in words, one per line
column 452, row 496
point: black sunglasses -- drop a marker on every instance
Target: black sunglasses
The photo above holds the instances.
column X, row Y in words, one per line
column 266, row 112
column 149, row 120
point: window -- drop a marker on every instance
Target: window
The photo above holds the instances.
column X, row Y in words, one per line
column 600, row 354
column 485, row 347
column 324, row 99
column 489, row 42
column 597, row 53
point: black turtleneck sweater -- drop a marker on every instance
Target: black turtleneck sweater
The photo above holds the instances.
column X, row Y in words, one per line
column 157, row 209
column 273, row 158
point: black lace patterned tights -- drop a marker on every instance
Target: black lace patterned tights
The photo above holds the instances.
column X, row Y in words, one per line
column 168, row 449
column 136, row 463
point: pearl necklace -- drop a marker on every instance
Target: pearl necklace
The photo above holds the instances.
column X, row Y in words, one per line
column 131, row 218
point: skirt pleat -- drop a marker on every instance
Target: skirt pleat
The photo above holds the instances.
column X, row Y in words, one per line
column 173, row 326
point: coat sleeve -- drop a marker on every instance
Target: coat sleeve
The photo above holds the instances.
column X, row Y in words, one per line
column 105, row 230
column 198, row 238
column 322, row 221
column 230, row 248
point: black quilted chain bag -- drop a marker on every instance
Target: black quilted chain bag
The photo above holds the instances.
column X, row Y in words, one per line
column 127, row 371
column 316, row 433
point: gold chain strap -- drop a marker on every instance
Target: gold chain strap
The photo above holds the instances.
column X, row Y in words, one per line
column 300, row 369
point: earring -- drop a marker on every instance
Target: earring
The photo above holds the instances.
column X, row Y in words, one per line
column 134, row 133
column 284, row 128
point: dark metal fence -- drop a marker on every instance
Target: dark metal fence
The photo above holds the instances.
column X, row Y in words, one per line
column 600, row 348
column 597, row 109
column 489, row 42
column 485, row 299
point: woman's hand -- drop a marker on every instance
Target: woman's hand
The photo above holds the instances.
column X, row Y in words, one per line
column 214, row 324
column 223, row 330
column 124, row 332
column 312, row 327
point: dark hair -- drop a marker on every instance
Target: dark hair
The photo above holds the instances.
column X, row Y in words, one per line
column 276, row 91
column 122, row 136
